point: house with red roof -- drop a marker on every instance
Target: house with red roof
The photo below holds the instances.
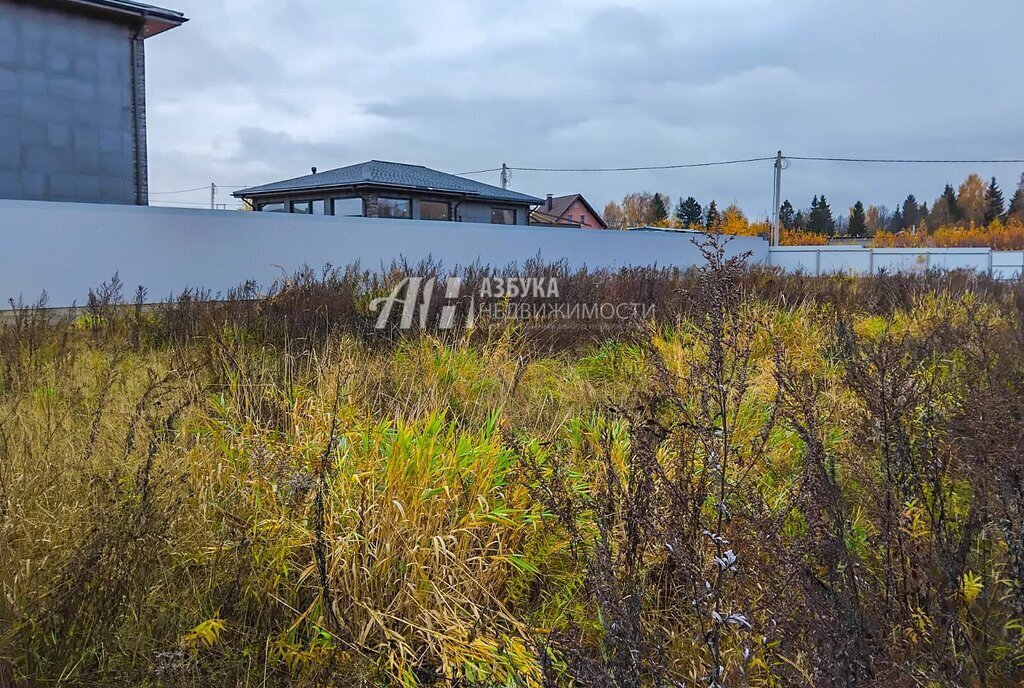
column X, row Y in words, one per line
column 567, row 211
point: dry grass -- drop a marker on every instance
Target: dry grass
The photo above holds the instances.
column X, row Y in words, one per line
column 271, row 493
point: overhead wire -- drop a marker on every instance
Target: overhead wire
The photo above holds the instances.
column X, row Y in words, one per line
column 742, row 161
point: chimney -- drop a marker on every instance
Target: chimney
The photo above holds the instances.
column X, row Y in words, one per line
column 549, row 204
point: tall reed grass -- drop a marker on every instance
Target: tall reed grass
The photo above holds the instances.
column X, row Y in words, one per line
column 776, row 481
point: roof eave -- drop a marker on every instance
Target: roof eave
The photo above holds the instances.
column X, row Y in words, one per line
column 156, row 20
column 256, row 192
column 154, row 27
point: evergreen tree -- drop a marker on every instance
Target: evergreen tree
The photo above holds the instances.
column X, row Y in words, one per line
column 800, row 220
column 678, row 212
column 689, row 213
column 712, row 219
column 896, row 223
column 949, row 196
column 660, row 209
column 995, row 206
column 911, row 213
column 828, row 222
column 821, row 220
column 944, row 211
column 812, row 216
column 787, row 217
column 1016, row 211
column 858, row 220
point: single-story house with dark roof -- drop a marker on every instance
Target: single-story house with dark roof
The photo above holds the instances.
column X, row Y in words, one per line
column 392, row 190
column 73, row 99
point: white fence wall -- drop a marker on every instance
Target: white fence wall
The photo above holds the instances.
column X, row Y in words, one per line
column 66, row 249
column 826, row 260
column 1007, row 264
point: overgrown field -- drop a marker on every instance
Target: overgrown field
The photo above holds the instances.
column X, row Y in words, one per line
column 777, row 481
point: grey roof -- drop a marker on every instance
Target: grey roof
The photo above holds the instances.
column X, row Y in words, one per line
column 391, row 174
column 157, row 19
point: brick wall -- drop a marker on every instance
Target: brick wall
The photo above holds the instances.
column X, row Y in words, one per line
column 577, row 211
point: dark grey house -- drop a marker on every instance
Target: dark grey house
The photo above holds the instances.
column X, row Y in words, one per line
column 73, row 99
column 394, row 190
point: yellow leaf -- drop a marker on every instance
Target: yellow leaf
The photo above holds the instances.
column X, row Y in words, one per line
column 207, row 633
column 973, row 586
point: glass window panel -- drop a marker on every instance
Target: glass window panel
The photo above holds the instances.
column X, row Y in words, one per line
column 394, row 207
column 503, row 216
column 273, row 208
column 302, row 207
column 319, row 207
column 434, row 210
column 348, row 207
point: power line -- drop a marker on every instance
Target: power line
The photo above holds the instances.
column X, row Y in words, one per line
column 201, row 188
column 639, row 168
column 902, row 161
column 678, row 166
column 181, row 191
column 690, row 165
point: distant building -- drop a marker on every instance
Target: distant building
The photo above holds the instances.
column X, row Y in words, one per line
column 567, row 211
column 73, row 99
column 392, row 190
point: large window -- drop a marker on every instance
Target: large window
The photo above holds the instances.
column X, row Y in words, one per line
column 348, row 207
column 503, row 216
column 435, row 210
column 273, row 208
column 317, row 207
column 394, row 207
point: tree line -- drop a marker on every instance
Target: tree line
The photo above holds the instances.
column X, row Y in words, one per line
column 644, row 209
column 974, row 203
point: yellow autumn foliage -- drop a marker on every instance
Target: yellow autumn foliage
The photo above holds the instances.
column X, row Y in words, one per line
column 999, row 236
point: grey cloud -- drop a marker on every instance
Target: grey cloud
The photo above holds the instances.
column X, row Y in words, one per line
column 272, row 88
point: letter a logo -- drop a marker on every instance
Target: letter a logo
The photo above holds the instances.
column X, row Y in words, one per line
column 386, row 304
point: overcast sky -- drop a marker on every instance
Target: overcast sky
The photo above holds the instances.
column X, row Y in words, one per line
column 252, row 91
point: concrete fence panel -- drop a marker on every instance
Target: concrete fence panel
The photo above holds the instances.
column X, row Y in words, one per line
column 844, row 260
column 66, row 249
column 824, row 260
column 796, row 259
column 1007, row 265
